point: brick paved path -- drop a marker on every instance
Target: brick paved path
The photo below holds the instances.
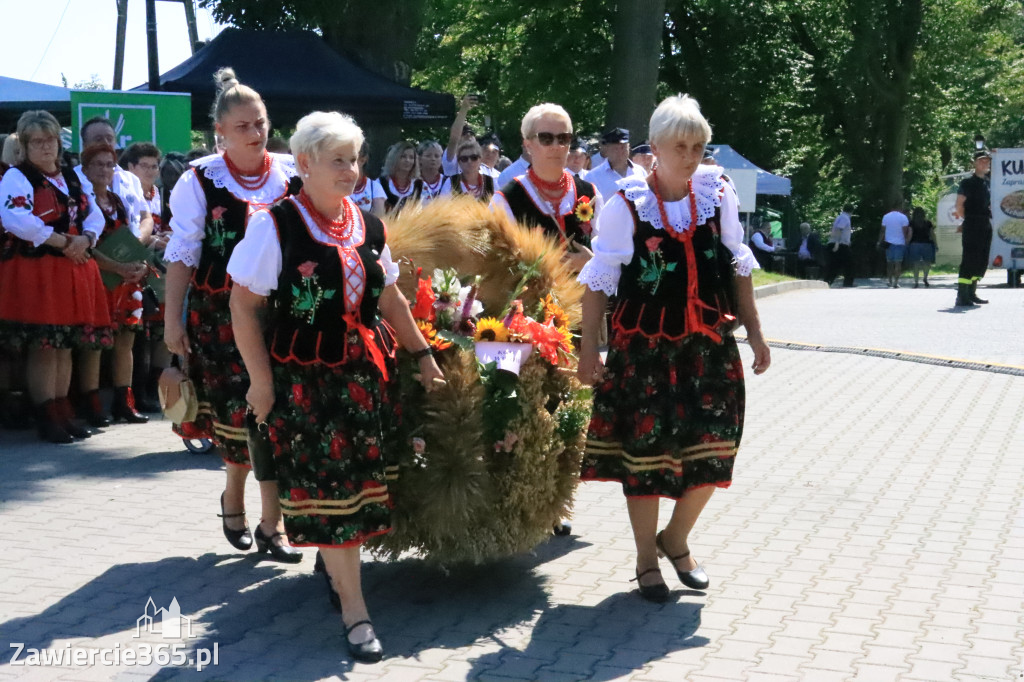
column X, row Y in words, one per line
column 874, row 532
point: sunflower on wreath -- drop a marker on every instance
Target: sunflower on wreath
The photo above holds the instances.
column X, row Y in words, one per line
column 584, row 213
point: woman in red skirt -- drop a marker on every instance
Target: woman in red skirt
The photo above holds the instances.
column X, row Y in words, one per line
column 668, row 404
column 53, row 298
column 125, row 301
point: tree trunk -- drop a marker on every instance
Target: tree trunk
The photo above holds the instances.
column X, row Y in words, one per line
column 636, row 50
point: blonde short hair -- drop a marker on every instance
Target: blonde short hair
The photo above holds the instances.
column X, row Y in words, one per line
column 678, row 117
column 537, row 112
column 37, row 121
column 11, row 154
column 322, row 131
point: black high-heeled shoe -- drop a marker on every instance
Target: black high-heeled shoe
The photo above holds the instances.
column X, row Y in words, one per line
column 320, row 567
column 696, row 579
column 657, row 593
column 365, row 652
column 239, row 539
column 284, row 553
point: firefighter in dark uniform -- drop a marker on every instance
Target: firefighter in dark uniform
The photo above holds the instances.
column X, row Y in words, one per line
column 973, row 204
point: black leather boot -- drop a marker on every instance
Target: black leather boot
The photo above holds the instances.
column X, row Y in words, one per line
column 974, row 295
column 124, row 407
column 49, row 420
column 67, row 414
column 92, row 410
column 963, row 296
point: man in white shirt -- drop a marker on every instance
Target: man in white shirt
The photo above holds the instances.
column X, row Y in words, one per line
column 840, row 256
column 125, row 185
column 895, row 234
column 615, row 149
column 517, row 168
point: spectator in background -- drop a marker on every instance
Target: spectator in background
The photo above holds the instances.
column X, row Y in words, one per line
column 840, row 256
column 615, row 149
column 11, row 154
column 642, row 156
column 196, row 153
column 151, row 356
column 171, row 168
column 99, row 130
column 430, row 181
column 278, row 145
column 460, row 132
column 470, row 180
column 578, row 158
column 922, row 247
column 514, row 169
column 894, row 235
column 399, row 178
column 808, row 255
column 763, row 246
column 490, row 150
column 368, row 193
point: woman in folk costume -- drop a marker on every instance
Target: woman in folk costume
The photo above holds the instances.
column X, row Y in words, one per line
column 469, row 180
column 98, row 162
column 668, row 404
column 547, row 195
column 321, row 365
column 53, row 298
column 210, row 206
column 400, row 175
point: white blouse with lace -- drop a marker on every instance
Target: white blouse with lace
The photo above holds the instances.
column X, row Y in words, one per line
column 188, row 202
column 613, row 243
column 256, row 261
column 17, row 199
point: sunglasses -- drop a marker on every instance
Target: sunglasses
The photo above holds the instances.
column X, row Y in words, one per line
column 548, row 139
column 469, row 157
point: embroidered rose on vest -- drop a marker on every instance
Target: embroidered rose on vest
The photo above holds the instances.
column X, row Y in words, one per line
column 18, row 202
column 216, row 236
column 654, row 267
column 308, row 294
column 584, row 212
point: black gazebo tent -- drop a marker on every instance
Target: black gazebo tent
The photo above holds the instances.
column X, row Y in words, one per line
column 18, row 96
column 297, row 72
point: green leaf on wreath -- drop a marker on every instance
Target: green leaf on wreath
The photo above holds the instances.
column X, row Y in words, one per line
column 463, row 342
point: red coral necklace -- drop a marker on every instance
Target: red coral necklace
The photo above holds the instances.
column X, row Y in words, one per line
column 552, row 193
column 340, row 230
column 255, row 183
column 672, row 232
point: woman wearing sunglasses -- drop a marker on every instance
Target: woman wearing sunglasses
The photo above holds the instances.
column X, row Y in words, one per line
column 469, row 180
column 548, row 196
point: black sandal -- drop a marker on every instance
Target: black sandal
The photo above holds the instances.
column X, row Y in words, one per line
column 366, row 652
column 239, row 539
column 696, row 579
column 657, row 593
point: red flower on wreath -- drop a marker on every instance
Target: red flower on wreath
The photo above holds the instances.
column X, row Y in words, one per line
column 423, row 309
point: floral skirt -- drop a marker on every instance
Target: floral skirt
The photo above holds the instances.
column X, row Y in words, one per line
column 668, row 415
column 335, row 438
column 217, row 370
column 51, row 302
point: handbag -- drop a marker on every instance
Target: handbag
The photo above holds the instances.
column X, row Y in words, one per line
column 177, row 393
column 261, row 454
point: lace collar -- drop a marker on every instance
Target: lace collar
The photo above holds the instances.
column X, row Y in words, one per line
column 708, row 187
column 403, row 193
column 282, row 170
column 358, row 230
column 564, row 208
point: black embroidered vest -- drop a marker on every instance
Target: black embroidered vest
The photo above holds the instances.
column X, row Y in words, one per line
column 676, row 287
column 226, row 218
column 320, row 286
column 485, row 194
column 527, row 212
column 65, row 214
column 115, row 221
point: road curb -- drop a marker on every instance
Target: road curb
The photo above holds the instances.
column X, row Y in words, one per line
column 786, row 287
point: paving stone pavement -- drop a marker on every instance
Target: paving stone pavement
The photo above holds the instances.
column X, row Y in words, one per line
column 874, row 531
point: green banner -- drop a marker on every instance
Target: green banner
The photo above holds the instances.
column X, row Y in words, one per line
column 164, row 118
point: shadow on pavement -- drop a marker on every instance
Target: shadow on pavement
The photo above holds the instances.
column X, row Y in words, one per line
column 620, row 635
column 271, row 623
column 22, row 475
